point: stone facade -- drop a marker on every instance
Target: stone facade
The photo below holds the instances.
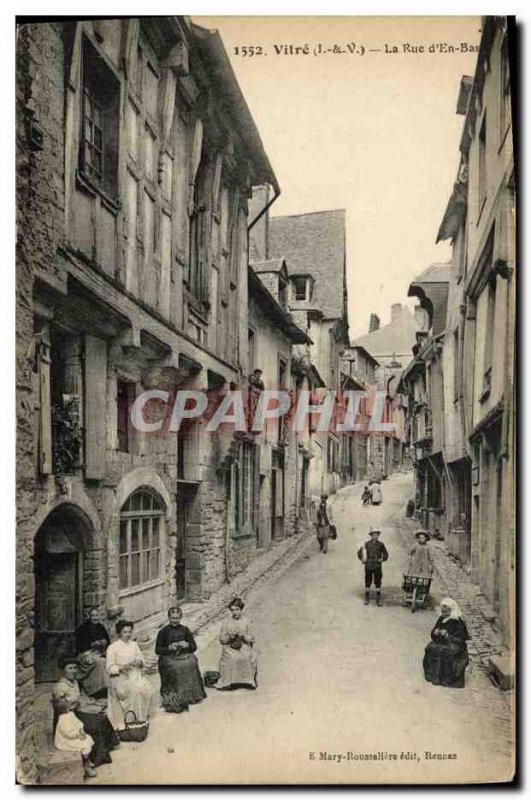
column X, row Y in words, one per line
column 462, row 380
column 131, row 277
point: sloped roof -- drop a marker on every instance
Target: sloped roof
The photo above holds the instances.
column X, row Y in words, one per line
column 396, row 337
column 271, row 265
column 314, row 244
column 272, row 308
column 435, row 273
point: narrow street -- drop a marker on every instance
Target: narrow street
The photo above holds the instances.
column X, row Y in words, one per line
column 336, row 677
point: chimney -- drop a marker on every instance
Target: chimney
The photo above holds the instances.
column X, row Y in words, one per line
column 374, row 322
column 258, row 250
column 396, row 312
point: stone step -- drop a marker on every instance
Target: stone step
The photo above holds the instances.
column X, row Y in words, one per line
column 56, row 767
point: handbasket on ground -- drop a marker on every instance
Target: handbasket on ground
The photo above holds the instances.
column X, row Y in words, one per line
column 134, row 730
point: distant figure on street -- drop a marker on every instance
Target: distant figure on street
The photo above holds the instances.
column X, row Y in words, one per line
column 366, row 496
column 237, row 664
column 372, row 555
column 323, row 524
column 376, row 493
column 421, row 557
column 446, row 656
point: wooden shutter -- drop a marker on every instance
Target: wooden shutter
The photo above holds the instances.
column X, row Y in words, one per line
column 45, row 411
column 256, row 486
column 95, row 406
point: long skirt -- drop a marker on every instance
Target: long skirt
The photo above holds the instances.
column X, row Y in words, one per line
column 180, row 682
column 130, row 691
column 323, row 534
column 237, row 667
column 105, row 739
column 445, row 664
column 92, row 674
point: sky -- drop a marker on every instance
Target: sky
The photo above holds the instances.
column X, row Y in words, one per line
column 373, row 133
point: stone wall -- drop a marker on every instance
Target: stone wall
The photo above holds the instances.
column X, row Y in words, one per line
column 40, row 227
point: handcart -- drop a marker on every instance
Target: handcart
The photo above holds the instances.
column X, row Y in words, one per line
column 417, row 590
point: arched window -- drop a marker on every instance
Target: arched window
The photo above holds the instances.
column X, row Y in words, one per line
column 141, row 530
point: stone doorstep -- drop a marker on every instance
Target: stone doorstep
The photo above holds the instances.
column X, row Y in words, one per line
column 501, row 671
column 59, row 767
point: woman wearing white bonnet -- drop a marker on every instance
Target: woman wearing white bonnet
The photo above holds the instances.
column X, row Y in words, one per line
column 446, row 656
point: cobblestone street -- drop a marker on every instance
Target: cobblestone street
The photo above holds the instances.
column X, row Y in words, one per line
column 336, row 678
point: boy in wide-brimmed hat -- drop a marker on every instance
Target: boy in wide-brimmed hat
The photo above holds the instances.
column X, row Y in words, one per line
column 372, row 555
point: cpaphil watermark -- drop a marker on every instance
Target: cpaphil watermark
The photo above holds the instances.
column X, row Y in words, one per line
column 256, row 411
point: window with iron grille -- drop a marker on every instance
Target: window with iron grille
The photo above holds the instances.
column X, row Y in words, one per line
column 140, row 540
column 99, row 124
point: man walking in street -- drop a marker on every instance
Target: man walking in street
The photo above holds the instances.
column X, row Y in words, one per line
column 323, row 524
column 372, row 555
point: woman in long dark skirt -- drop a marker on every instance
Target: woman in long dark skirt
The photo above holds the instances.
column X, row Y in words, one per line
column 181, row 684
column 446, row 656
column 92, row 713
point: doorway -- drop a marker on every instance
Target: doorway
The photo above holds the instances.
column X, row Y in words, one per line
column 58, row 565
column 186, row 492
column 277, row 493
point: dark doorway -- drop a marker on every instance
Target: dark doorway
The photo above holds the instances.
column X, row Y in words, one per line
column 58, row 562
column 186, row 492
column 277, row 494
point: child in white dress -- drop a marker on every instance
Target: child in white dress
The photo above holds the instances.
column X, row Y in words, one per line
column 70, row 735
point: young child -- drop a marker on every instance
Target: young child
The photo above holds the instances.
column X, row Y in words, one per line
column 366, row 496
column 372, row 555
column 69, row 735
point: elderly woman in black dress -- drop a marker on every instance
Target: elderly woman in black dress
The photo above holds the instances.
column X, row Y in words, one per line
column 180, row 679
column 446, row 656
column 92, row 641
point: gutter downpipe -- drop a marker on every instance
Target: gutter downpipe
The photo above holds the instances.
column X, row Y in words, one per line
column 276, row 189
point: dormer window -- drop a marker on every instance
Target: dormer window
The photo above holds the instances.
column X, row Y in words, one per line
column 301, row 288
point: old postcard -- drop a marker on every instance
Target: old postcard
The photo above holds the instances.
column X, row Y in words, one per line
column 265, row 295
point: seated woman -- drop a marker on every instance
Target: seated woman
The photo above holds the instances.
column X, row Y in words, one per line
column 89, row 711
column 129, row 688
column 237, row 664
column 446, row 656
column 92, row 641
column 180, row 680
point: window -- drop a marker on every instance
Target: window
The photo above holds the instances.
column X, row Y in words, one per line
column 489, row 338
column 505, row 91
column 141, row 527
column 299, row 288
column 99, row 134
column 195, row 278
column 125, row 395
column 282, row 428
column 250, row 485
column 456, row 364
column 251, row 349
column 482, row 165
